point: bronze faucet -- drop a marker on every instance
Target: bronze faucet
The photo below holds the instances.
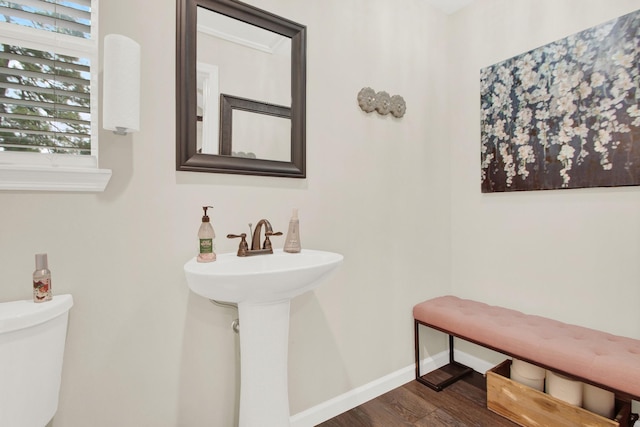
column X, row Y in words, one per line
column 256, row 249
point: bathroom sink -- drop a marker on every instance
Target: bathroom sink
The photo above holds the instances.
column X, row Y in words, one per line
column 260, row 278
column 262, row 286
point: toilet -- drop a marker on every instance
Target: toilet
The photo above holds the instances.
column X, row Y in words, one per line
column 32, row 339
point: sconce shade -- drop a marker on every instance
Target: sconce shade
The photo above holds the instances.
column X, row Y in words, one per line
column 121, row 85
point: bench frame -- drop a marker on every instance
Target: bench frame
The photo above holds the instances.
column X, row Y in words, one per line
column 501, row 351
column 464, row 370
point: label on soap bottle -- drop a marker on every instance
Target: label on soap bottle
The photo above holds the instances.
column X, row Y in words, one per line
column 206, row 246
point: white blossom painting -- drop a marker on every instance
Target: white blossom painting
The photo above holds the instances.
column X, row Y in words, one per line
column 565, row 115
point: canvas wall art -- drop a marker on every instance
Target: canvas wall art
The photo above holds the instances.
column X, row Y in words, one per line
column 565, row 115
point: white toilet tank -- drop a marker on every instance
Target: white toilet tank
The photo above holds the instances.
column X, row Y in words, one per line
column 32, row 338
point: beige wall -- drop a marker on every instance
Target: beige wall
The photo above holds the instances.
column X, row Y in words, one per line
column 143, row 350
column 399, row 198
column 568, row 254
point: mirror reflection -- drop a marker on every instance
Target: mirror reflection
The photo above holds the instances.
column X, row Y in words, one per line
column 208, row 109
column 238, row 58
column 260, row 136
column 255, row 130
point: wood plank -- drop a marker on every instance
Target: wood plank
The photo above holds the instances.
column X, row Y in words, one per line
column 462, row 404
column 532, row 408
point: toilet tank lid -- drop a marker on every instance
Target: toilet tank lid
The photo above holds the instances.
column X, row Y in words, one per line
column 16, row 315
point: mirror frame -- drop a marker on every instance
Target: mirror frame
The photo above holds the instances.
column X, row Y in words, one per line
column 187, row 156
column 229, row 103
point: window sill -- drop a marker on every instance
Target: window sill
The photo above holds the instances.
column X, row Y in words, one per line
column 47, row 178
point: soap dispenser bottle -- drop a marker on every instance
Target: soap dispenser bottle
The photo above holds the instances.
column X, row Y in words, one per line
column 206, row 236
column 292, row 242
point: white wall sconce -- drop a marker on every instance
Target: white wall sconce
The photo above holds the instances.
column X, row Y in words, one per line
column 121, row 85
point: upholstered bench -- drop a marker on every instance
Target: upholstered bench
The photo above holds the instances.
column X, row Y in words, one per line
column 604, row 360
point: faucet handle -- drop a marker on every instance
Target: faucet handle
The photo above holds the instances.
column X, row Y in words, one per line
column 243, row 248
column 267, row 242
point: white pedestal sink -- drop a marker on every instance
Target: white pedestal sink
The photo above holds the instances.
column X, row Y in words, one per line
column 262, row 286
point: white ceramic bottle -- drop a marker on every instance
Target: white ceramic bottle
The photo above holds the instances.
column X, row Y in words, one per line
column 42, row 280
column 292, row 243
column 205, row 237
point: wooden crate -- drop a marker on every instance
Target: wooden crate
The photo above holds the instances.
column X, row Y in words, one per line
column 532, row 408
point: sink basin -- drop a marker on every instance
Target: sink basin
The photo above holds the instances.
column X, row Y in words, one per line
column 262, row 286
column 272, row 277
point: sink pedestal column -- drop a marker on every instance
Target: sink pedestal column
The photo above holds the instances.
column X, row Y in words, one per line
column 264, row 346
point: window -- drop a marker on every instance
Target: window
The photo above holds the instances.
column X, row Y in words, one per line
column 48, row 101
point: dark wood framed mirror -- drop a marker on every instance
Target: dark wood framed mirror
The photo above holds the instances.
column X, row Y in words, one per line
column 192, row 157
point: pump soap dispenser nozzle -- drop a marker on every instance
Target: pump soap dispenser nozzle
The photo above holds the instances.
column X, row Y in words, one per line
column 205, row 237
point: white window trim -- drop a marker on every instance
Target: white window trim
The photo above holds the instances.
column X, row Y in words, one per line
column 58, row 172
column 51, row 172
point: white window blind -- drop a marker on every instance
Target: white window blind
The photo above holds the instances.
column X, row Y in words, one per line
column 72, row 17
column 47, row 52
column 45, row 102
column 45, row 97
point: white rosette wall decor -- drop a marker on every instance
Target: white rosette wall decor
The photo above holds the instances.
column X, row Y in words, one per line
column 367, row 99
column 383, row 103
column 398, row 106
column 370, row 101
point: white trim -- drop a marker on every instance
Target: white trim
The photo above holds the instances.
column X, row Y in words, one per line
column 223, row 27
column 51, row 172
column 478, row 365
column 46, row 178
column 209, row 75
column 96, row 71
column 21, row 158
column 257, row 45
column 349, row 400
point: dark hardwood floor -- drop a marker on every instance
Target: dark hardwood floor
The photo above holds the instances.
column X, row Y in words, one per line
column 462, row 404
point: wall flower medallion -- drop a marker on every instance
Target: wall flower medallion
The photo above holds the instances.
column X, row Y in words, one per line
column 367, row 99
column 398, row 106
column 383, row 103
column 370, row 101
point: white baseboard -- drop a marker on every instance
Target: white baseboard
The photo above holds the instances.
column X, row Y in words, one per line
column 478, row 365
column 349, row 400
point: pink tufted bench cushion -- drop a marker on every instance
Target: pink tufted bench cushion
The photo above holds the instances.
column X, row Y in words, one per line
column 609, row 361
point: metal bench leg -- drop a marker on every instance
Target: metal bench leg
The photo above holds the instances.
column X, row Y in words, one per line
column 461, row 369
